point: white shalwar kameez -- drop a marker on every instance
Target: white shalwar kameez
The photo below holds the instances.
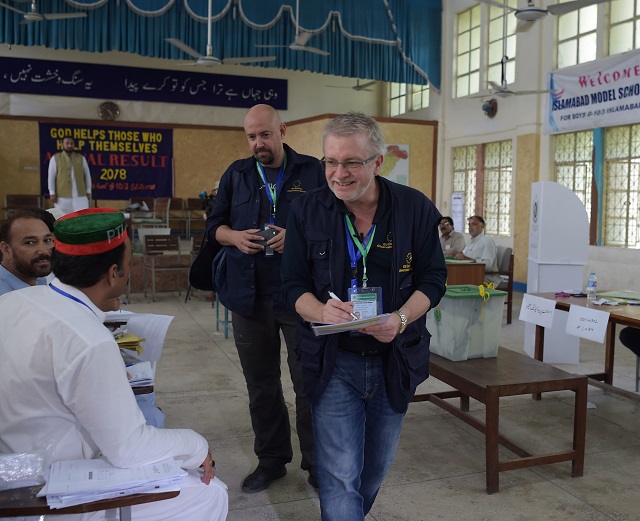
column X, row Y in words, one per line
column 63, row 386
column 76, row 201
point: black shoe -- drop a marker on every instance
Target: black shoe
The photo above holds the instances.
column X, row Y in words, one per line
column 313, row 481
column 261, row 478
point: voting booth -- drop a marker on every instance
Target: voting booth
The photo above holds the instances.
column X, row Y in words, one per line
column 558, row 243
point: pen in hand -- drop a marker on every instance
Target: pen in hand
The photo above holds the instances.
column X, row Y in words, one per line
column 335, row 297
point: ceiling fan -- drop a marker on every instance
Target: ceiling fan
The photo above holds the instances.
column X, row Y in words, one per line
column 301, row 39
column 531, row 13
column 208, row 59
column 357, row 87
column 503, row 90
column 35, row 16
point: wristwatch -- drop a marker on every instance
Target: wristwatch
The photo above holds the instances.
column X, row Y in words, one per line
column 403, row 321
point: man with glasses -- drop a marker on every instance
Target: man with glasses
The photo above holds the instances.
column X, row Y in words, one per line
column 362, row 245
column 254, row 198
column 452, row 242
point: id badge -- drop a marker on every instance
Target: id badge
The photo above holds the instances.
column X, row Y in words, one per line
column 367, row 302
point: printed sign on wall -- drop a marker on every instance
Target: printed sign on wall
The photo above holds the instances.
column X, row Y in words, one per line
column 124, row 162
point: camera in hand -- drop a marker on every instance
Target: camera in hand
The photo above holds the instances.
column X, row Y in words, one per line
column 267, row 235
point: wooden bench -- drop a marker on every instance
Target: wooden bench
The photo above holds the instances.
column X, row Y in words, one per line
column 23, row 502
column 509, row 374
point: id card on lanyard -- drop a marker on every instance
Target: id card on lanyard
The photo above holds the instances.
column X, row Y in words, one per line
column 367, row 301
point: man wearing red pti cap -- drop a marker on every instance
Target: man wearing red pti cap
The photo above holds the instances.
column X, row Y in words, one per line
column 63, row 381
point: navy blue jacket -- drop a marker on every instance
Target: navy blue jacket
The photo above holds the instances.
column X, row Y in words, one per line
column 316, row 261
column 238, row 206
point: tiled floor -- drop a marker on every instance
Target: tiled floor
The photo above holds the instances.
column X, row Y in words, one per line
column 439, row 469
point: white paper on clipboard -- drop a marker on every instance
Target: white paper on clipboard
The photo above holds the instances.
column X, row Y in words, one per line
column 353, row 325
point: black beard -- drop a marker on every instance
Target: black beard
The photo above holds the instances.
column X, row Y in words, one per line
column 29, row 269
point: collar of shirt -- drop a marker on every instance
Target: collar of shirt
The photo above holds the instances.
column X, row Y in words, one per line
column 80, row 296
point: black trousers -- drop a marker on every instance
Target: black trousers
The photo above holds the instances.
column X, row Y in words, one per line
column 258, row 342
column 630, row 337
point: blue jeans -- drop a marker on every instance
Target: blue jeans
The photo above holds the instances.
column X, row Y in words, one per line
column 356, row 435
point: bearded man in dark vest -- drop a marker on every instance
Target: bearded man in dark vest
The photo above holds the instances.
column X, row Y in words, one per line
column 69, row 179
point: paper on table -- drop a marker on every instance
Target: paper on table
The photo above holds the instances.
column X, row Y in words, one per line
column 154, row 329
column 329, row 329
column 451, row 260
column 587, row 323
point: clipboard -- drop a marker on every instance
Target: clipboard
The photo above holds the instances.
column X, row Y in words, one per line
column 353, row 325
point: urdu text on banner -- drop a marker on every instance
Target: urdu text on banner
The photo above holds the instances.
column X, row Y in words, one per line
column 92, row 80
column 124, row 162
column 603, row 93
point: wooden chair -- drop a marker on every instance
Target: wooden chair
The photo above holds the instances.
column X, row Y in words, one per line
column 23, row 502
column 167, row 246
column 159, row 217
column 505, row 269
column 193, row 214
column 15, row 201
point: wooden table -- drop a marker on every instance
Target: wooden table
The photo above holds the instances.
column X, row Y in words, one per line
column 623, row 315
column 465, row 273
column 23, row 502
column 509, row 374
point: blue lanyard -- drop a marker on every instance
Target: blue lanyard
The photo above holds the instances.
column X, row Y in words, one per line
column 363, row 250
column 272, row 195
column 68, row 295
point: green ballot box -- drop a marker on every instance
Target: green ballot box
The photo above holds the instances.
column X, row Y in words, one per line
column 466, row 323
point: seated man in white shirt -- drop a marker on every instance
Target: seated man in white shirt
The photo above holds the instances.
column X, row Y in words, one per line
column 481, row 248
column 63, row 383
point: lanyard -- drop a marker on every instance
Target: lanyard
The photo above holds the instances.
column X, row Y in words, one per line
column 272, row 193
column 68, row 295
column 363, row 250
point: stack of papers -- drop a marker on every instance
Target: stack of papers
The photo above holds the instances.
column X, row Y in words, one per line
column 140, row 374
column 131, row 342
column 83, row 481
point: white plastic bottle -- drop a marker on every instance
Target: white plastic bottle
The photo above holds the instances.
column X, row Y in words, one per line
column 592, row 284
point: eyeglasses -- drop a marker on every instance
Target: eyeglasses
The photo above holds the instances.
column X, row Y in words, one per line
column 445, row 223
column 331, row 165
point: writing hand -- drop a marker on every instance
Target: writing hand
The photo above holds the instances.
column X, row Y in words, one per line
column 336, row 312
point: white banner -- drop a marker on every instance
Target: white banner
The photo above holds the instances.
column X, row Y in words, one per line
column 604, row 93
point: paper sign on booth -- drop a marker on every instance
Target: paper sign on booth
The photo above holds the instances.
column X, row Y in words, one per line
column 587, row 323
column 537, row 310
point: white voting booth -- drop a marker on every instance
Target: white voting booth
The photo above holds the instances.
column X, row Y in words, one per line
column 558, row 241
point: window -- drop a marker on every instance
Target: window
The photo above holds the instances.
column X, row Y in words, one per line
column 577, row 36
column 464, row 176
column 484, row 173
column 497, row 187
column 624, row 32
column 468, row 53
column 406, row 98
column 620, row 212
column 621, row 186
column 398, row 99
column 574, row 165
column 502, row 42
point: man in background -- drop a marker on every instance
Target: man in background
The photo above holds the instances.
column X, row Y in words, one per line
column 452, row 242
column 63, row 383
column 254, row 197
column 69, row 179
column 481, row 248
column 26, row 241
